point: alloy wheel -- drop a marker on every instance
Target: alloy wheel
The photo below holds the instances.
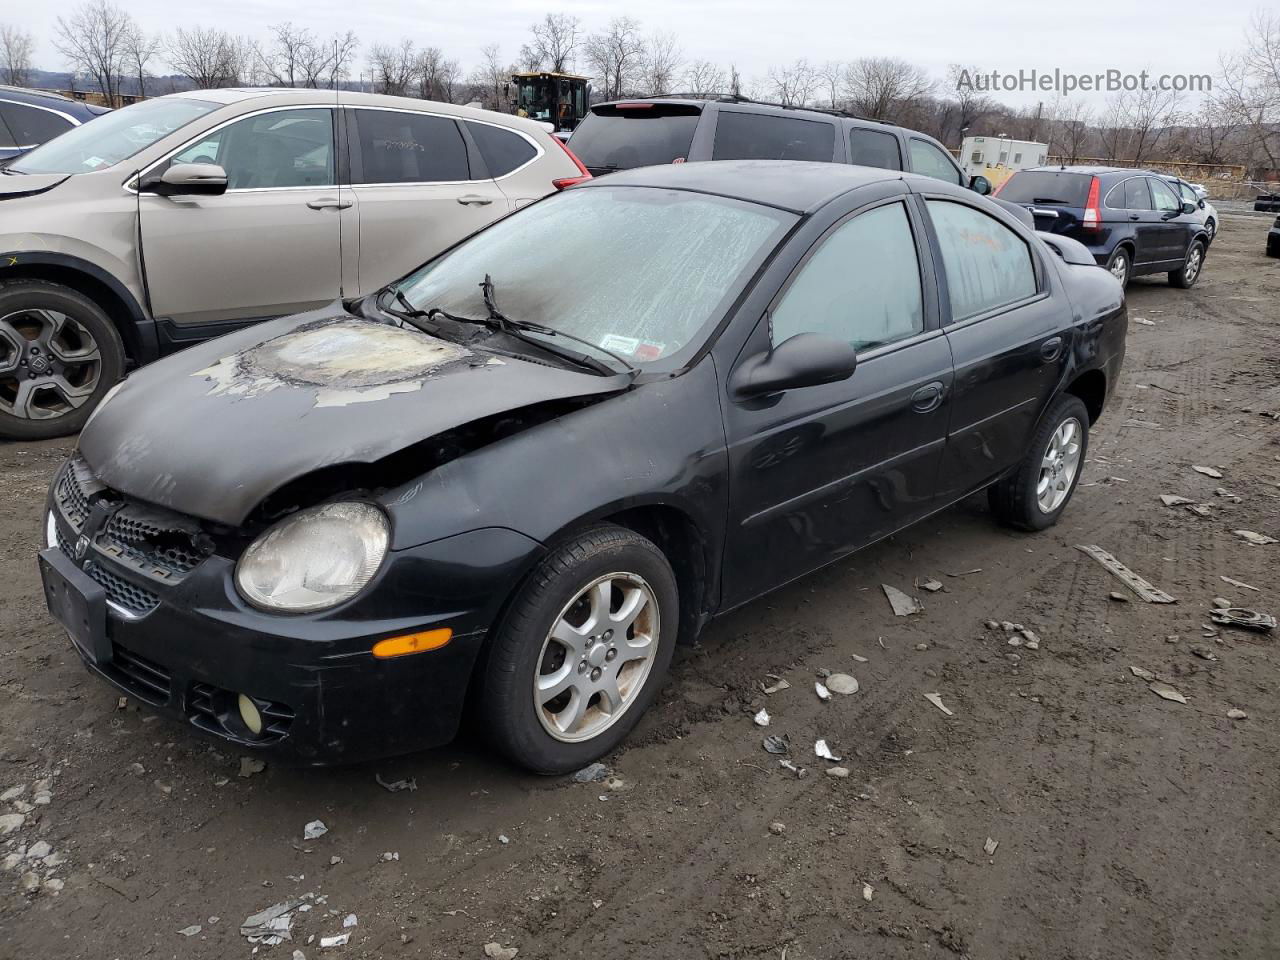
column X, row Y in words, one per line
column 1120, row 267
column 49, row 364
column 1059, row 466
column 596, row 657
column 1192, row 268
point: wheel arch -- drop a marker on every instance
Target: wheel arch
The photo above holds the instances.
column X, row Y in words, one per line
column 1090, row 386
column 136, row 329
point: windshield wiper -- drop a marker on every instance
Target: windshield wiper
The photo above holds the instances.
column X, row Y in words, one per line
column 497, row 320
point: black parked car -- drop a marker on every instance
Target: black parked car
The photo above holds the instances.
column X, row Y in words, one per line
column 1132, row 221
column 1273, row 239
column 625, row 134
column 30, row 117
column 498, row 480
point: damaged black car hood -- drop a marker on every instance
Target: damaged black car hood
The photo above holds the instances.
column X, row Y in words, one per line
column 214, row 430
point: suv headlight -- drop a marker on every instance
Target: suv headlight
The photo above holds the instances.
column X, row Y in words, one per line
column 315, row 559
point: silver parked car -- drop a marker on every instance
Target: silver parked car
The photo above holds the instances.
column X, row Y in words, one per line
column 1198, row 197
column 187, row 216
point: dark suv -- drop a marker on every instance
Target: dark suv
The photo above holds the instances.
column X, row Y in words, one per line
column 673, row 129
column 1132, row 221
column 30, row 117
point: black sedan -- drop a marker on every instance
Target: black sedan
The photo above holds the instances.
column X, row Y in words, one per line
column 519, row 476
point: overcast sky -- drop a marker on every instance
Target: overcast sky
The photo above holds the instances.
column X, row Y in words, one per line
column 1083, row 36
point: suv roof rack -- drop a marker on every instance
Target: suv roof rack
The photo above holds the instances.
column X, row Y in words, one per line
column 739, row 98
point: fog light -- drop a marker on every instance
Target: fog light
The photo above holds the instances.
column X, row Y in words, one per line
column 250, row 715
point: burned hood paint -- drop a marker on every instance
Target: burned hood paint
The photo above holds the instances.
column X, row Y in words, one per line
column 215, row 429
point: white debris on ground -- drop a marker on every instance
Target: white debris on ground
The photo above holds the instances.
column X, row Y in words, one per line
column 936, row 700
column 314, row 830
column 903, row 604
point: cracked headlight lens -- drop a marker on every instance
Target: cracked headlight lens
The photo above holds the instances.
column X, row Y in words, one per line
column 315, row 559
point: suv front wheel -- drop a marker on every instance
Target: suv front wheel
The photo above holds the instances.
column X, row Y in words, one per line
column 59, row 353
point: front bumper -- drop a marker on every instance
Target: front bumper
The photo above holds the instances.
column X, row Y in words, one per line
column 188, row 649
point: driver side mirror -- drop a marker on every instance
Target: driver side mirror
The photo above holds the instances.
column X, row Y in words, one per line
column 805, row 360
column 1189, row 207
column 188, row 179
column 980, row 185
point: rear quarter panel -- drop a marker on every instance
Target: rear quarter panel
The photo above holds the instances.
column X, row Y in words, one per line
column 1101, row 321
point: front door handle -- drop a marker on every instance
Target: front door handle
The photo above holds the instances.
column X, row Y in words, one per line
column 328, row 203
column 1134, row 216
column 1051, row 349
column 928, row 398
column 472, row 200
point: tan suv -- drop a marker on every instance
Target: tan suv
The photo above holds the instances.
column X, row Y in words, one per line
column 184, row 217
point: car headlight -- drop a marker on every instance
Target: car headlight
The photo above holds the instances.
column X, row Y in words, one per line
column 315, row 559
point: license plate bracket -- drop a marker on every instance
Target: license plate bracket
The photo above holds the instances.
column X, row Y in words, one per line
column 78, row 603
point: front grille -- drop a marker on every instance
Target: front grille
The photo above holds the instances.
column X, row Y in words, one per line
column 157, row 542
column 144, row 678
column 137, row 547
column 72, row 492
column 128, row 596
column 216, row 711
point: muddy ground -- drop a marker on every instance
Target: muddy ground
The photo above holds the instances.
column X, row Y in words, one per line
column 1128, row 825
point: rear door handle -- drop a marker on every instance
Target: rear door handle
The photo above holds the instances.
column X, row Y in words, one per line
column 1134, row 216
column 472, row 199
column 328, row 203
column 1051, row 349
column 928, row 398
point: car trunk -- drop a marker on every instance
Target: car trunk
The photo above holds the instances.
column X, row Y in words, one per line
column 620, row 136
column 1056, row 199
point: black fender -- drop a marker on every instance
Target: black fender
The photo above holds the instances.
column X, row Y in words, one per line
column 136, row 328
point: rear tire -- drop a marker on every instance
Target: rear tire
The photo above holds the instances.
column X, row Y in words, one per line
column 1120, row 265
column 554, row 706
column 1185, row 277
column 1034, row 496
column 59, row 354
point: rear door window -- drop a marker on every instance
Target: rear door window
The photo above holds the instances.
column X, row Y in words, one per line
column 1047, row 187
column 765, row 136
column 620, row 137
column 31, row 125
column 1136, row 194
column 403, row 147
column 988, row 265
column 931, row 161
column 874, row 148
column 502, row 150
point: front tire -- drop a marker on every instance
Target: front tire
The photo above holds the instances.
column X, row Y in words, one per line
column 1186, row 276
column 59, row 354
column 582, row 651
column 1034, row 496
column 1120, row 265
column 1211, row 228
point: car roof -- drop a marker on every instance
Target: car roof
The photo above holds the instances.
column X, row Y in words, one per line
column 1087, row 169
column 755, row 106
column 305, row 96
column 795, row 185
column 51, row 101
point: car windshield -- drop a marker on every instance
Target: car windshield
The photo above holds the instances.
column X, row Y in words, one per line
column 112, row 137
column 641, row 272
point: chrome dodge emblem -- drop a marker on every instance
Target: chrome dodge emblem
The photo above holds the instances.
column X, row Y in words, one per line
column 82, row 547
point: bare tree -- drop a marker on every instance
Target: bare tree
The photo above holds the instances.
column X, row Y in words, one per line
column 205, row 55
column 616, row 54
column 735, row 81
column 660, row 64
column 490, row 77
column 555, row 39
column 393, row 68
column 296, row 57
column 703, row 76
column 971, row 105
column 16, row 47
column 830, row 78
column 1069, row 130
column 792, row 86
column 139, row 50
column 880, row 87
column 93, row 41
column 1136, row 121
column 1249, row 90
column 449, row 81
